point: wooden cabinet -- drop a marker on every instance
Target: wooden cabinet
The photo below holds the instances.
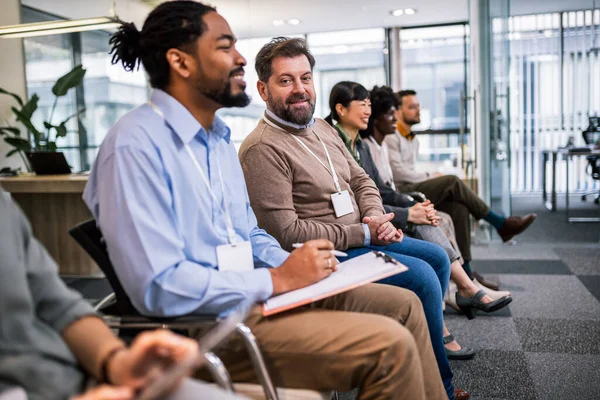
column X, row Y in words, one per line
column 53, row 205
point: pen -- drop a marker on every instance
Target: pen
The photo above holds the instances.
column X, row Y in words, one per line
column 336, row 253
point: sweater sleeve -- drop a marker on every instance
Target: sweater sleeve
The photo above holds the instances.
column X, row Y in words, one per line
column 269, row 181
column 403, row 173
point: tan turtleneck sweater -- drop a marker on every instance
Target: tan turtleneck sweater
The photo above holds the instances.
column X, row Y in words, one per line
column 290, row 191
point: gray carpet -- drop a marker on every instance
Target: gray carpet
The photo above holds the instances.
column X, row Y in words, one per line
column 549, row 346
column 546, row 344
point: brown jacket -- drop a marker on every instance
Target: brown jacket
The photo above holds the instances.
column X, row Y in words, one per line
column 290, row 191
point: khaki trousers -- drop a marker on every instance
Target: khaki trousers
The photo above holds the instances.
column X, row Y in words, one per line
column 450, row 195
column 374, row 338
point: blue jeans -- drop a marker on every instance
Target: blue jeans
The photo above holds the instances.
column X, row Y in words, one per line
column 427, row 276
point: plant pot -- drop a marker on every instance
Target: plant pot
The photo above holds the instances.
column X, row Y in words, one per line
column 48, row 163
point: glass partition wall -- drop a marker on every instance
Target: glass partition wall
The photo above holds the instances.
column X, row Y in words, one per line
column 434, row 63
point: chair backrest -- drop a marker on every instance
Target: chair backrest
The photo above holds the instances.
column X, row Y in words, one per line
column 592, row 134
column 89, row 237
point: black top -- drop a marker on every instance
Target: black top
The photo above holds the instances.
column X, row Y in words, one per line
column 393, row 201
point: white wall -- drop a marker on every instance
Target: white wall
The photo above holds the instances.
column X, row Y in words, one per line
column 12, row 75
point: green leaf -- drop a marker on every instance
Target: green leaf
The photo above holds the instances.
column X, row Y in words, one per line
column 13, row 151
column 48, row 125
column 51, row 146
column 31, row 106
column 14, row 96
column 11, row 129
column 18, row 143
column 25, row 120
column 61, row 130
column 68, row 81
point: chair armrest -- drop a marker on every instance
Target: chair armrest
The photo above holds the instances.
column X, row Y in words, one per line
column 141, row 322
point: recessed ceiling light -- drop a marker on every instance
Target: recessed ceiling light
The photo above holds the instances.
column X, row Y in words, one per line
column 278, row 22
column 409, row 11
column 397, row 13
column 293, row 21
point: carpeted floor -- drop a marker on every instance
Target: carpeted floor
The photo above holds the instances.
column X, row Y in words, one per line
column 546, row 344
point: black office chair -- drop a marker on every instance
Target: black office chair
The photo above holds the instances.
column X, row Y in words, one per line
column 119, row 313
column 591, row 136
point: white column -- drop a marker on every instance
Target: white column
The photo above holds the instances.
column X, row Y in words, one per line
column 12, row 76
column 480, row 90
column 395, row 59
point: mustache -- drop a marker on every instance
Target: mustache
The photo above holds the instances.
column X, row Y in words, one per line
column 298, row 97
column 236, row 71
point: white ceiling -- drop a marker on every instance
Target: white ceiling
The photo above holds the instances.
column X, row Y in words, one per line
column 254, row 18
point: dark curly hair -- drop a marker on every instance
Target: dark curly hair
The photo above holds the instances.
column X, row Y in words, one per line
column 171, row 25
column 382, row 99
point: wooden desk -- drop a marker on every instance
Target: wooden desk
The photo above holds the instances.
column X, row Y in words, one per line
column 53, row 205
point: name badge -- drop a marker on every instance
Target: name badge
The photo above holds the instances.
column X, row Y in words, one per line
column 235, row 257
column 342, row 204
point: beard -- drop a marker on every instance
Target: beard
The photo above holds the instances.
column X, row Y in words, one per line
column 283, row 110
column 413, row 121
column 225, row 97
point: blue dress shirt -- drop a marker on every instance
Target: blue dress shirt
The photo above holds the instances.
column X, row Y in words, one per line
column 160, row 223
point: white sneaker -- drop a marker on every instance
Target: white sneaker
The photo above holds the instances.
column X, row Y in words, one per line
column 495, row 295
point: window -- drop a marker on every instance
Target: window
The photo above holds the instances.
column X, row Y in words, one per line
column 550, row 104
column 107, row 92
column 242, row 121
column 434, row 63
column 358, row 56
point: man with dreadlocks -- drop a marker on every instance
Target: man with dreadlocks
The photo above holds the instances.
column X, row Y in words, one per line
column 168, row 193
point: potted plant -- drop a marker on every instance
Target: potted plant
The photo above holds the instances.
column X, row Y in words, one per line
column 38, row 146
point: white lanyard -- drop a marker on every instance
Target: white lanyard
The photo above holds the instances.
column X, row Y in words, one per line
column 332, row 171
column 228, row 222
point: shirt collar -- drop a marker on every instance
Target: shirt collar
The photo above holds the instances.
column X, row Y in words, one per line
column 404, row 132
column 345, row 137
column 274, row 118
column 183, row 123
column 372, row 140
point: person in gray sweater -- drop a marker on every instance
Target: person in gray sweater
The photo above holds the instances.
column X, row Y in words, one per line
column 52, row 343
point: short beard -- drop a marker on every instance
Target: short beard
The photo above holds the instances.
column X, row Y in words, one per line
column 412, row 122
column 226, row 99
column 282, row 109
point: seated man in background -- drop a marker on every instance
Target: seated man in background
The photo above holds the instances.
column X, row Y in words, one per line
column 52, row 341
column 304, row 184
column 447, row 192
column 168, row 193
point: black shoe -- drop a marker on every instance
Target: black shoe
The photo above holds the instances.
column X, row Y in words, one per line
column 462, row 354
column 468, row 305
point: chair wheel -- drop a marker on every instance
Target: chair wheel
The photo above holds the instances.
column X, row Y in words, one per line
column 584, row 197
column 597, row 200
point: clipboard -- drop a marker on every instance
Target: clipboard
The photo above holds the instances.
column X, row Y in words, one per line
column 157, row 389
column 356, row 272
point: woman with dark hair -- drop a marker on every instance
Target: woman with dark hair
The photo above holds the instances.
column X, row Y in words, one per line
column 357, row 111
